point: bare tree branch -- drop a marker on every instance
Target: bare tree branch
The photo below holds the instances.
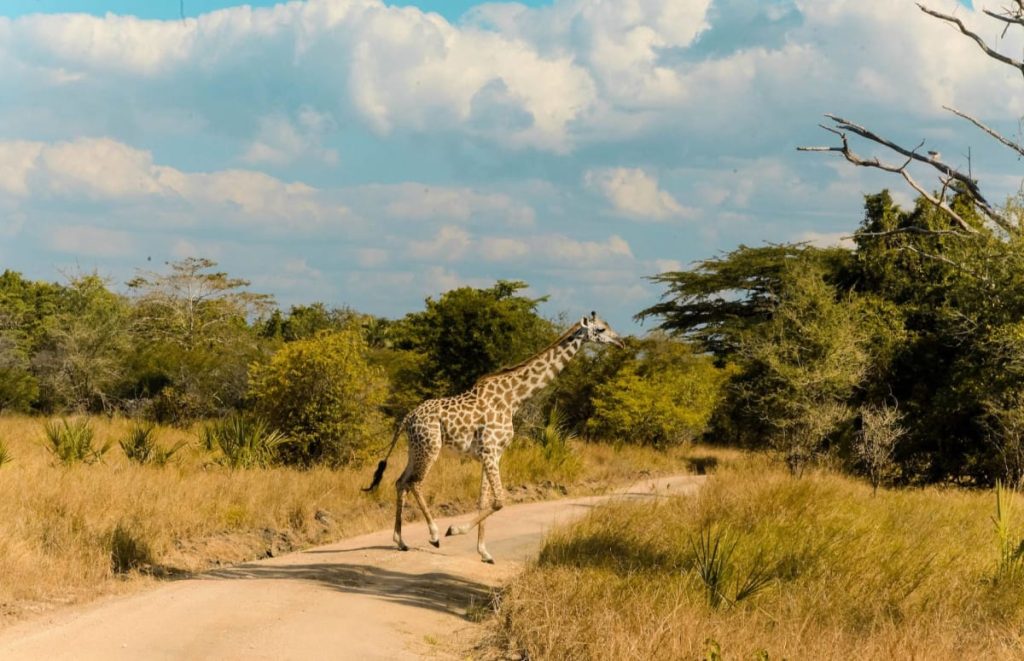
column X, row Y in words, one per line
column 992, row 132
column 994, row 54
column 948, row 173
column 1009, row 16
column 911, row 155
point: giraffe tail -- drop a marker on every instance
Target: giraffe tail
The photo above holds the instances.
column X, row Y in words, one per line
column 378, row 474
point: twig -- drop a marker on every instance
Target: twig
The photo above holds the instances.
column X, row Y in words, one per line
column 994, row 54
column 992, row 132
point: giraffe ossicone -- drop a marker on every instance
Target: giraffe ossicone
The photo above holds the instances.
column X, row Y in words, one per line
column 478, row 422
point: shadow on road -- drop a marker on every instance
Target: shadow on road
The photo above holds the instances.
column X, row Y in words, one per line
column 432, row 590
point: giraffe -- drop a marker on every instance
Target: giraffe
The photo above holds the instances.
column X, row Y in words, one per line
column 479, row 423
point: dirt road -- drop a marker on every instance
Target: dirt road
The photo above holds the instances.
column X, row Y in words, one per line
column 357, row 599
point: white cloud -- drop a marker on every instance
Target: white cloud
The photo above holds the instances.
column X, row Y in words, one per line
column 417, row 201
column 449, row 245
column 371, row 257
column 572, row 254
column 281, row 141
column 826, row 239
column 500, row 249
column 105, row 170
column 635, row 193
column 90, row 241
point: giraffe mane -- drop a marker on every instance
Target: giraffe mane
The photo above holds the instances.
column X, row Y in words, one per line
column 505, row 370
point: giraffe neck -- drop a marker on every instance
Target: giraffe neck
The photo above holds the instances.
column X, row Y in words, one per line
column 537, row 372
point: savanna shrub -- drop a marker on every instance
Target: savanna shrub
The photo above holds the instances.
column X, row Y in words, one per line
column 325, row 396
column 664, row 397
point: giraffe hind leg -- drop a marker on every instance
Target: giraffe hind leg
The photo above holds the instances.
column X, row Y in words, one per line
column 400, row 487
column 431, row 526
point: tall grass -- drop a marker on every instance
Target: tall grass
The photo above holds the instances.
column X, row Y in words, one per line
column 243, row 441
column 70, row 534
column 71, row 442
column 140, row 446
column 762, row 564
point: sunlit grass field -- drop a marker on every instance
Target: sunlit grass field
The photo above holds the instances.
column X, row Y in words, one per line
column 71, row 533
column 762, row 565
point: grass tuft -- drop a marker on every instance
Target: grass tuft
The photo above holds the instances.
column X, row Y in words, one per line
column 243, row 441
column 72, row 442
column 140, row 446
column 128, row 551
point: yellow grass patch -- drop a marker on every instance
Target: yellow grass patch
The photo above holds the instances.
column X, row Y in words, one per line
column 71, row 533
column 906, row 574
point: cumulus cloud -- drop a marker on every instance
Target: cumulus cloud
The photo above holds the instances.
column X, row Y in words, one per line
column 108, row 171
column 417, row 201
column 635, row 193
column 91, row 241
column 449, row 245
column 281, row 141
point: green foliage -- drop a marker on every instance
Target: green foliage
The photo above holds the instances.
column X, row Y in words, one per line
column 324, row 394
column 720, row 299
column 80, row 363
column 140, row 446
column 18, row 387
column 554, row 437
column 468, row 332
column 244, row 441
column 194, row 332
column 72, row 442
column 713, row 564
column 665, row 396
column 305, row 321
column 803, row 365
column 574, row 391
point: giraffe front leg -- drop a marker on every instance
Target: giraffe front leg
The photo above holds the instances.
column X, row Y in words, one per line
column 492, row 478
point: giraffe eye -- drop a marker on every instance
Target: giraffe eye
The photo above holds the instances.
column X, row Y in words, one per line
column 599, row 330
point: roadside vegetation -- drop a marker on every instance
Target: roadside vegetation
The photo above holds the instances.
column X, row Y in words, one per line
column 72, row 531
column 765, row 565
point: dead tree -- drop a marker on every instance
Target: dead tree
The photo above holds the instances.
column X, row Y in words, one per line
column 950, row 179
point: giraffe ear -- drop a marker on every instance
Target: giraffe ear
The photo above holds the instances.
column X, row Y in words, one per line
column 585, row 322
column 593, row 316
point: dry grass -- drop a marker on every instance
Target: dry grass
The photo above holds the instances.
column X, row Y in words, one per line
column 906, row 574
column 71, row 533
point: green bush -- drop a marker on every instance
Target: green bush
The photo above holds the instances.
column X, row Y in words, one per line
column 243, row 441
column 72, row 442
column 325, row 396
column 663, row 398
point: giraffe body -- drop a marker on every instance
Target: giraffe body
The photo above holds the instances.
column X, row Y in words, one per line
column 478, row 422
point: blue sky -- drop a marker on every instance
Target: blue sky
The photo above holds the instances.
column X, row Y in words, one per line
column 369, row 154
column 171, row 9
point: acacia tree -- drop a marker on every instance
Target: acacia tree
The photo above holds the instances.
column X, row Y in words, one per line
column 196, row 341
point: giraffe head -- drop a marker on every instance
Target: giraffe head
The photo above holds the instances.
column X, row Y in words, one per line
column 598, row 330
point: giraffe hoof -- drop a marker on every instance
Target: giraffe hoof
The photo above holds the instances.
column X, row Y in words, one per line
column 451, row 531
column 436, row 543
column 403, row 547
column 489, row 561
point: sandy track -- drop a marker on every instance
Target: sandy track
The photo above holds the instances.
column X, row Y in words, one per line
column 357, row 599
